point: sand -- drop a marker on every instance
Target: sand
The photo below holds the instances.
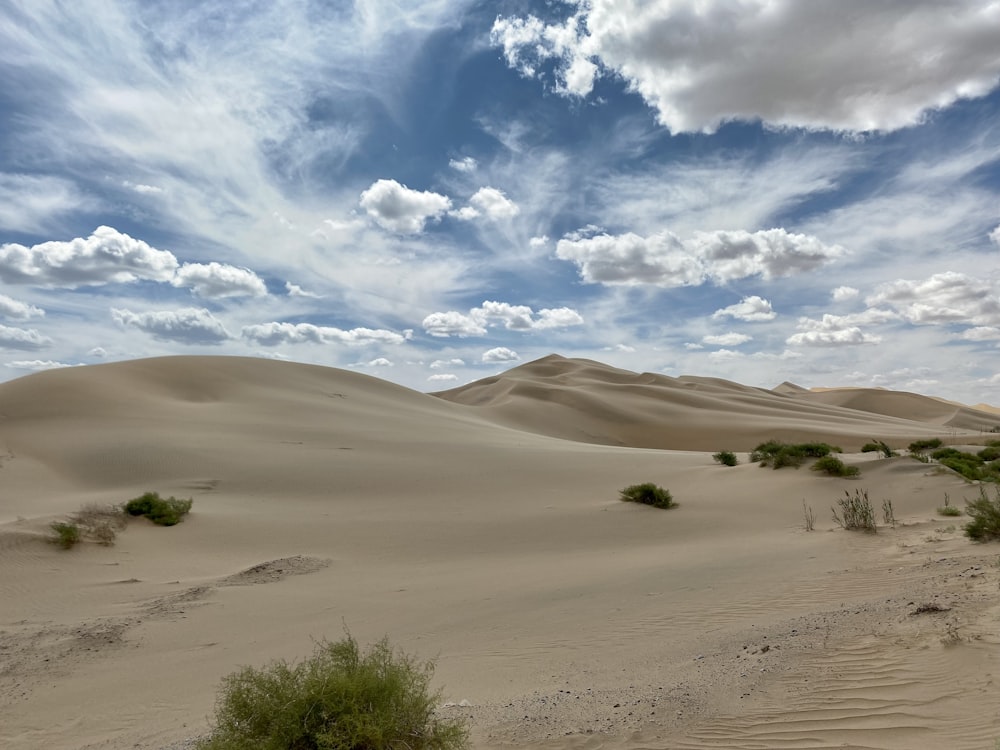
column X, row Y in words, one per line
column 481, row 527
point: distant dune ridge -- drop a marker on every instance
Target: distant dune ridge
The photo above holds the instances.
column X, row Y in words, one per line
column 482, row 526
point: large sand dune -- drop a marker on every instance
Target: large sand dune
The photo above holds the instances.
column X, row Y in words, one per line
column 482, row 527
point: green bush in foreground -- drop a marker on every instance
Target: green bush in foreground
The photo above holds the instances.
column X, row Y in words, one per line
column 835, row 467
column 648, row 494
column 64, row 534
column 726, row 458
column 163, row 512
column 339, row 699
column 985, row 515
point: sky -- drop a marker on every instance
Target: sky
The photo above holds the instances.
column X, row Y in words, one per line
column 435, row 191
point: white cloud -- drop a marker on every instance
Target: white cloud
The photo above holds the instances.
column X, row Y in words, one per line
column 981, row 333
column 189, row 325
column 723, row 355
column 512, row 317
column 942, row 299
column 852, row 336
column 491, row 203
column 840, row 330
column 442, row 377
column 995, row 235
column 142, row 189
column 500, row 354
column 218, row 280
column 693, row 346
column 399, row 209
column 465, row 164
column 843, row 293
column 752, row 309
column 626, row 348
column 26, row 339
column 727, row 339
column 273, row 334
column 663, row 259
column 380, row 362
column 700, row 63
column 540, row 241
column 12, row 308
column 35, row 365
column 107, row 256
column 437, row 364
column 30, row 203
column 294, row 290
column 99, row 352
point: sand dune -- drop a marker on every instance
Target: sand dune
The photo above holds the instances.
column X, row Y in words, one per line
column 482, row 526
column 591, row 402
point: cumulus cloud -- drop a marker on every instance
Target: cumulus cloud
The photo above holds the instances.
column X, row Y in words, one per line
column 840, row 330
column 511, row 317
column 189, row 325
column 219, row 280
column 465, row 164
column 665, row 260
column 995, row 235
column 294, row 290
column 35, row 365
column 540, row 241
column 437, row 364
column 12, row 308
column 700, row 63
column 142, row 189
column 727, row 339
column 942, row 299
column 490, row 203
column 852, row 336
column 26, row 339
column 752, row 309
column 981, row 333
column 380, row 362
column 106, row 256
column 500, row 354
column 274, row 334
column 401, row 210
column 442, row 377
column 844, row 293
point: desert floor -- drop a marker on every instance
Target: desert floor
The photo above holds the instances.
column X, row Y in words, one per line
column 483, row 529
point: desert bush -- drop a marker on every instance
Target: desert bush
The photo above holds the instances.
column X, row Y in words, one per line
column 726, row 458
column 985, row 515
column 339, row 699
column 64, row 533
column 880, row 447
column 648, row 494
column 888, row 513
column 856, row 512
column 100, row 523
column 807, row 514
column 161, row 511
column 779, row 454
column 990, row 453
column 948, row 509
column 919, row 446
column 835, row 467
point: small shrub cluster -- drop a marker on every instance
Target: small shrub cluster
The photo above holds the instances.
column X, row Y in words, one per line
column 778, row 454
column 835, row 467
column 726, row 458
column 972, row 466
column 98, row 523
column 161, row 511
column 340, row 699
column 985, row 515
column 856, row 512
column 919, row 446
column 65, row 533
column 648, row 494
column 878, row 446
column 948, row 509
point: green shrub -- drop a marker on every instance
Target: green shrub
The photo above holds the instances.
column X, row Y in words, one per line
column 726, row 458
column 65, row 534
column 880, row 447
column 856, row 512
column 835, row 467
column 919, row 446
column 985, row 515
column 870, row 448
column 100, row 523
column 163, row 512
column 779, row 454
column 989, row 453
column 340, row 699
column 648, row 494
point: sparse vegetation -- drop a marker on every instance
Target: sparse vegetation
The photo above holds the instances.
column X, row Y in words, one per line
column 726, row 458
column 948, row 509
column 648, row 494
column 65, row 533
column 985, row 515
column 778, row 454
column 835, row 467
column 339, row 699
column 807, row 513
column 856, row 512
column 888, row 514
column 919, row 446
column 878, row 446
column 101, row 523
column 161, row 511
column 969, row 465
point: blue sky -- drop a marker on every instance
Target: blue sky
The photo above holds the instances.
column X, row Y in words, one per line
column 432, row 192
